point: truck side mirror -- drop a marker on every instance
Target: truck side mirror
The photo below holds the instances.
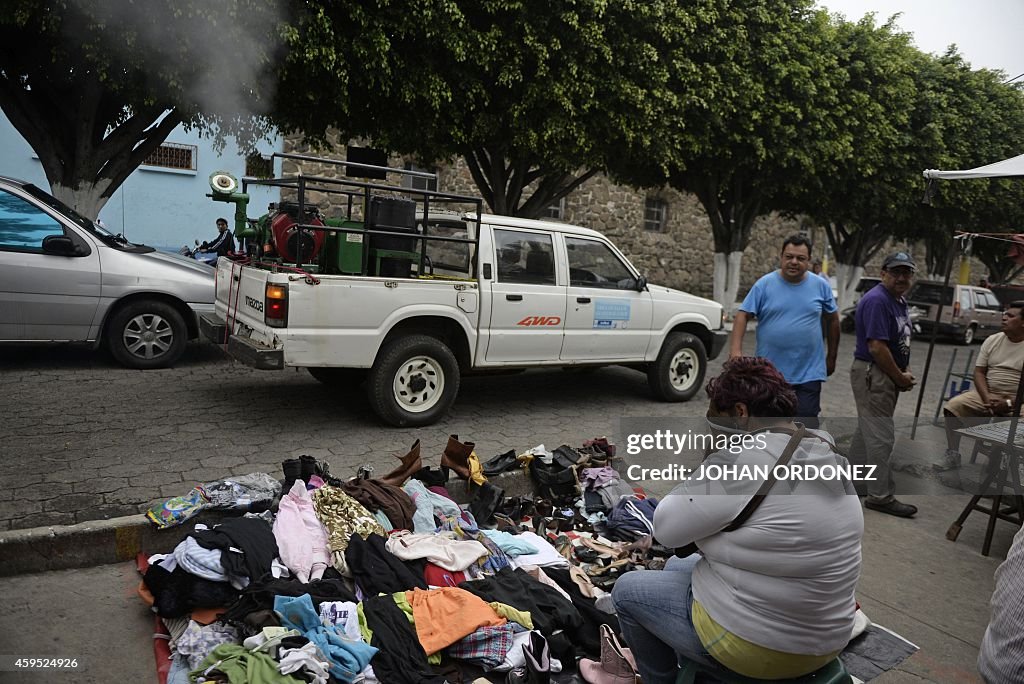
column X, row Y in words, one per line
column 641, row 284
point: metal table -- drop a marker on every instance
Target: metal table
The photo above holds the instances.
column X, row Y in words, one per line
column 1002, row 471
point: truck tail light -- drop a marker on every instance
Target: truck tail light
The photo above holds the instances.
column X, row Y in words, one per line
column 956, row 309
column 276, row 313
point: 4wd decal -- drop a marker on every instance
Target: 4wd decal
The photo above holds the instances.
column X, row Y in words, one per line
column 540, row 320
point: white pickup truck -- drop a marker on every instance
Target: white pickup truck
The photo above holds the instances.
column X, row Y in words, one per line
column 412, row 321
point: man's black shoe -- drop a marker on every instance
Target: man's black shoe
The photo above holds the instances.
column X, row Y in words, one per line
column 892, row 507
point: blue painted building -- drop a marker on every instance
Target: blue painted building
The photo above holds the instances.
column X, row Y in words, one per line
column 163, row 203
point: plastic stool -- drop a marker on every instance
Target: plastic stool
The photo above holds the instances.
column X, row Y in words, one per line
column 831, row 673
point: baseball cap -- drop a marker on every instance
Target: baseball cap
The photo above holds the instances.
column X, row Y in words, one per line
column 899, row 259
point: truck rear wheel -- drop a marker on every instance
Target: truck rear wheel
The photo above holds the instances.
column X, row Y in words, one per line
column 679, row 370
column 413, row 382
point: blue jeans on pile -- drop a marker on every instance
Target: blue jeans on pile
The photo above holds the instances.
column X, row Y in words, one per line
column 655, row 615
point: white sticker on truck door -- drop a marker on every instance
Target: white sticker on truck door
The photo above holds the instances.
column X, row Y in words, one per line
column 611, row 314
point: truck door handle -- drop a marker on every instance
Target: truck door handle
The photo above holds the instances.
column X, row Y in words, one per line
column 583, row 300
column 514, row 298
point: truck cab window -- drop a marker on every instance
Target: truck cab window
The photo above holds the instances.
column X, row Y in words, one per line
column 524, row 257
column 594, row 264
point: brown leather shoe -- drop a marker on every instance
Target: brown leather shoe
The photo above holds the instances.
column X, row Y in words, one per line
column 456, row 456
column 411, row 462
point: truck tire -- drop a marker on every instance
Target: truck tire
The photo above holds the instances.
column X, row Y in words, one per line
column 146, row 334
column 339, row 377
column 413, row 382
column 679, row 370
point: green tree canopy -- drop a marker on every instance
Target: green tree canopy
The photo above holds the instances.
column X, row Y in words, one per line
column 95, row 86
column 536, row 96
column 863, row 191
column 767, row 117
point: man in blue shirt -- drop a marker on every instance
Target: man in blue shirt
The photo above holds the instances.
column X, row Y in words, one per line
column 878, row 374
column 789, row 305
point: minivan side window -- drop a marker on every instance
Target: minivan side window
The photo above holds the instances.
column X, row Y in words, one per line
column 525, row 257
column 24, row 225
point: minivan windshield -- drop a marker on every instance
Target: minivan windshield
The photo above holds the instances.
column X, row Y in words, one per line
column 930, row 293
column 118, row 241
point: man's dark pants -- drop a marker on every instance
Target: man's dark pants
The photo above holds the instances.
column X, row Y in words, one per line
column 808, row 402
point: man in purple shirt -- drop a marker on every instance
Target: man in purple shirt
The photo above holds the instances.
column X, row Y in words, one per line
column 878, row 375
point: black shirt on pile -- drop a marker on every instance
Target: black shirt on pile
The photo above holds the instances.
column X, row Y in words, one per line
column 549, row 610
column 376, row 570
column 259, row 595
column 252, row 536
column 588, row 638
column 401, row 659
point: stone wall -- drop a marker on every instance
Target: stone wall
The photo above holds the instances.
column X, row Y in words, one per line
column 680, row 257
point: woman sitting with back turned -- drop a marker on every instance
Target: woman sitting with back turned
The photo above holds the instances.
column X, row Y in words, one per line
column 774, row 598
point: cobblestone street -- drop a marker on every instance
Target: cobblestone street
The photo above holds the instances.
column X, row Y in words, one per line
column 86, row 439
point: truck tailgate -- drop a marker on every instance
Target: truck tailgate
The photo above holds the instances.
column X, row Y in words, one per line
column 241, row 293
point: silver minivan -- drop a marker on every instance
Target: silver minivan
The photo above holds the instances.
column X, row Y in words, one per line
column 969, row 313
column 63, row 278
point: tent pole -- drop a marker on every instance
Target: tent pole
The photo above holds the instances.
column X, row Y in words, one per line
column 935, row 333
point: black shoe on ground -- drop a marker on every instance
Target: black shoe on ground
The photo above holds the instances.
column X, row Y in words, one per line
column 892, row 507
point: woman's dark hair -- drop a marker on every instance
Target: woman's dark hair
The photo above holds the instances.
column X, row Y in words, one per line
column 756, row 382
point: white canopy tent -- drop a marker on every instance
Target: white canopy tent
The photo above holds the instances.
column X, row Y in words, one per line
column 995, row 472
column 1014, row 166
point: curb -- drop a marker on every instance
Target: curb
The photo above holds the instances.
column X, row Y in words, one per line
column 94, row 542
column 101, row 542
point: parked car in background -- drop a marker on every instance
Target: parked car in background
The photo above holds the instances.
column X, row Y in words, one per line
column 846, row 316
column 64, row 278
column 1007, row 294
column 969, row 312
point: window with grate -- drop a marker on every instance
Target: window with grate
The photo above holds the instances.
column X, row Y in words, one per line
column 556, row 211
column 655, row 214
column 173, row 156
column 258, row 166
column 418, row 183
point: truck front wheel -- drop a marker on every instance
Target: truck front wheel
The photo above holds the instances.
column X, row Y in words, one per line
column 679, row 370
column 413, row 382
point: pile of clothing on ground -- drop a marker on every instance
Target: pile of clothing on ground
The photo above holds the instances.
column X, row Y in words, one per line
column 390, row 580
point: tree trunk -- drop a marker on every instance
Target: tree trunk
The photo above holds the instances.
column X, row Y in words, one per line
column 502, row 182
column 88, row 150
column 847, row 277
column 726, row 279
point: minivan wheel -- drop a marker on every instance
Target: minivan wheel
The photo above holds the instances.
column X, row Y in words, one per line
column 967, row 336
column 413, row 382
column 146, row 334
column 677, row 373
